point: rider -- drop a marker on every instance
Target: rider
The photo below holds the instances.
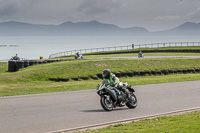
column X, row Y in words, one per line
column 140, row 53
column 16, row 57
column 113, row 81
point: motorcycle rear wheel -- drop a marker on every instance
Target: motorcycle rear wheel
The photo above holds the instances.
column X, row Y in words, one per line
column 132, row 103
column 107, row 105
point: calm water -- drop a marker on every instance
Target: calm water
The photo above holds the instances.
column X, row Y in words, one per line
column 34, row 47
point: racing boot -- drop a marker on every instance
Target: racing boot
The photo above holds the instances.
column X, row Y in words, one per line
column 123, row 104
column 115, row 104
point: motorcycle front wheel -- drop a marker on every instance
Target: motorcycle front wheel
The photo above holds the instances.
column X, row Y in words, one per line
column 132, row 103
column 106, row 104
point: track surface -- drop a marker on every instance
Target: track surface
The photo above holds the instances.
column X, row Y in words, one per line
column 56, row 111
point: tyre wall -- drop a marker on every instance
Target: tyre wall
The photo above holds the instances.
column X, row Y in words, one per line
column 14, row 66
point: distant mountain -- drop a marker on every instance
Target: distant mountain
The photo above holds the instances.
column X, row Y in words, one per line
column 91, row 28
column 13, row 28
column 186, row 29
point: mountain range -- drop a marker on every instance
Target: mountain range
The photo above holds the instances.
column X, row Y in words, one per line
column 91, row 28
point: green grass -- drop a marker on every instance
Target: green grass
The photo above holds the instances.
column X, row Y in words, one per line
column 35, row 87
column 82, row 68
column 3, row 67
column 187, row 123
column 34, row 79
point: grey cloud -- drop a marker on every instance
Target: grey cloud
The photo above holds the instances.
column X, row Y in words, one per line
column 7, row 9
column 194, row 14
column 151, row 14
column 95, row 7
column 12, row 8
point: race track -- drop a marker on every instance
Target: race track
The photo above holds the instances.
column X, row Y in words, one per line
column 66, row 110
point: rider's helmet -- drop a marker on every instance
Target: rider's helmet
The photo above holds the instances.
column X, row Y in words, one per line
column 106, row 73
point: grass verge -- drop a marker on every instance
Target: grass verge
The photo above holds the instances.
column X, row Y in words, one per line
column 3, row 67
column 86, row 68
column 35, row 87
column 186, row 123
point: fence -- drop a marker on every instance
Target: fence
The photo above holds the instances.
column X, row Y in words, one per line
column 126, row 47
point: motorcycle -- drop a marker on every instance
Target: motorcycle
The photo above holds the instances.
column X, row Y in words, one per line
column 78, row 56
column 112, row 97
column 15, row 58
column 140, row 55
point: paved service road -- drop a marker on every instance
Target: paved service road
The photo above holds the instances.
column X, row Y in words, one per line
column 56, row 111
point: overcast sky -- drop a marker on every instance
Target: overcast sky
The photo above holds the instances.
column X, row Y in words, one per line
column 150, row 14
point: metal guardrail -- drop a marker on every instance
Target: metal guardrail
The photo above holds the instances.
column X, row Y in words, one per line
column 126, row 47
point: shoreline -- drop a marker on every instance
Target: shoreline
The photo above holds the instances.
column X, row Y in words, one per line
column 5, row 60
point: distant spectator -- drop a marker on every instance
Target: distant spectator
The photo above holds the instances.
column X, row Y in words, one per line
column 132, row 46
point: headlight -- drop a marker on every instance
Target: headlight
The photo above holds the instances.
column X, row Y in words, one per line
column 99, row 92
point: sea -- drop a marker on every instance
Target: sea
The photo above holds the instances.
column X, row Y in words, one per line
column 34, row 47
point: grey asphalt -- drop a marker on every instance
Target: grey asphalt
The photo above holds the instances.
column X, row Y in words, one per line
column 56, row 111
